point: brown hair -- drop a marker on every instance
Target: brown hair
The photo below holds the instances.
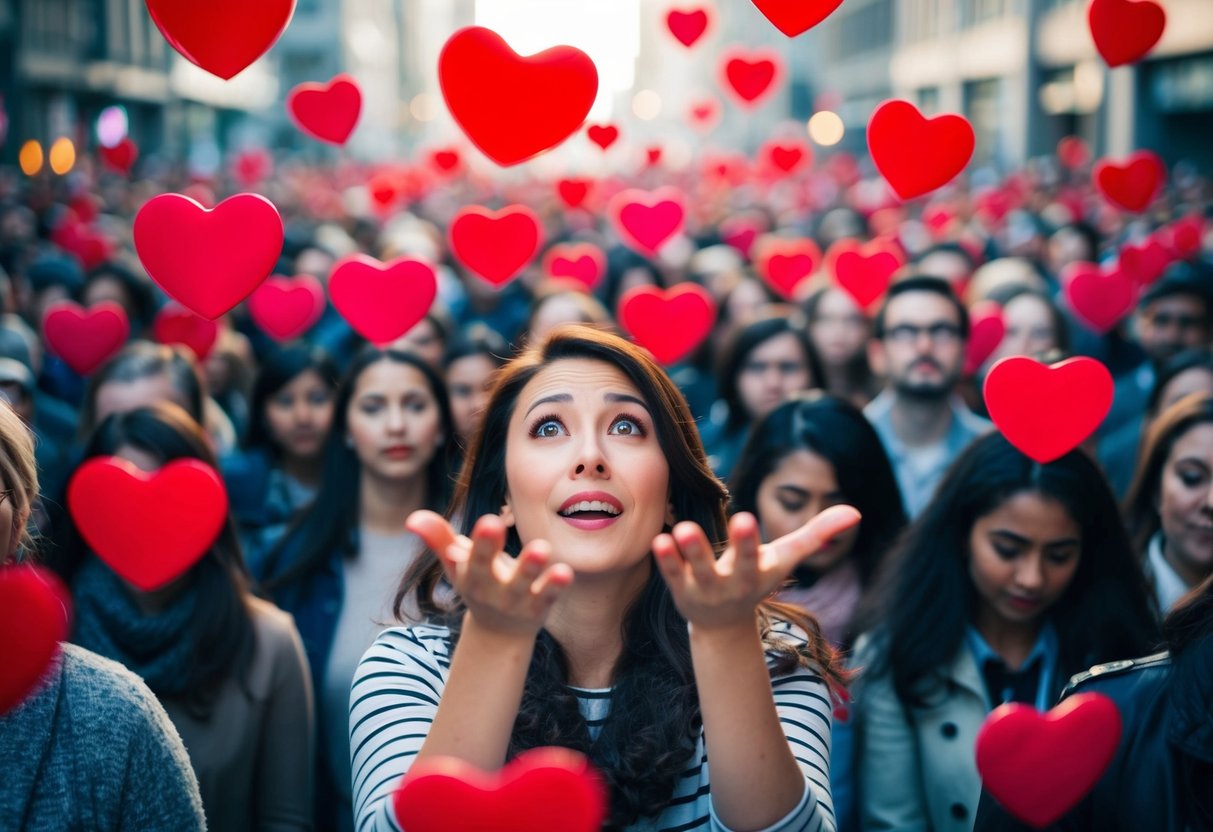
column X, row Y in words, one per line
column 19, row 471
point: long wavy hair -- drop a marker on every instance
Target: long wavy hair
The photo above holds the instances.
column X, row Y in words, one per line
column 648, row 739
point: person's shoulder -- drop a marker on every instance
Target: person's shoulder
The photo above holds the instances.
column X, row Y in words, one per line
column 425, row 642
column 106, row 697
column 1120, row 678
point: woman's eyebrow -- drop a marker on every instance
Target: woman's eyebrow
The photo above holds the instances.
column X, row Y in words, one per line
column 614, row 398
column 558, row 397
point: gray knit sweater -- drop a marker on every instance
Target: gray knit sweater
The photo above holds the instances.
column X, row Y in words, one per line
column 94, row 750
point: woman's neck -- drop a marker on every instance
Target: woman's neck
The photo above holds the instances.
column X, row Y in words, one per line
column 384, row 505
column 304, row 470
column 1012, row 641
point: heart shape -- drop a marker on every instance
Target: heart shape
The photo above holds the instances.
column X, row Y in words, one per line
column 34, row 615
column 221, row 36
column 382, row 302
column 603, row 135
column 750, row 76
column 90, row 246
column 863, row 271
column 687, row 26
column 328, row 112
column 582, row 262
column 669, row 324
column 513, row 107
column 285, row 307
column 495, row 245
column 385, row 188
column 916, row 154
column 573, row 192
column 987, row 328
column 1073, row 152
column 1047, row 411
column 1184, row 237
column 208, row 260
column 646, row 220
column 1039, row 766
column 785, row 264
column 150, row 528
column 541, row 790
column 1100, row 298
column 121, row 157
column 1125, row 30
column 652, row 155
column 174, row 325
column 1133, row 185
column 793, row 17
column 704, row 114
column 85, row 338
column 786, row 156
column 739, row 233
column 447, row 161
column 1145, row 262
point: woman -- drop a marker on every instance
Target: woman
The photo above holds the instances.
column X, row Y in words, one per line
column 1016, row 576
column 388, row 454
column 559, row 302
column 587, row 601
column 840, row 333
column 1034, row 324
column 470, row 362
column 228, row 667
column 1170, row 505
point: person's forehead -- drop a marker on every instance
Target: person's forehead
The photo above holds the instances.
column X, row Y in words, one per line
column 587, row 382
column 1178, row 302
column 918, row 305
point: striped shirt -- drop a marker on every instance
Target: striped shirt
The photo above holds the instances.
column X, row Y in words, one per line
column 399, row 683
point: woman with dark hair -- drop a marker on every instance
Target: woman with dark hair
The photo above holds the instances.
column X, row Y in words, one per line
column 1034, row 324
column 228, row 667
column 557, row 302
column 840, row 332
column 591, row 611
column 470, row 361
column 387, row 454
column 113, row 281
column 428, row 337
column 1016, row 576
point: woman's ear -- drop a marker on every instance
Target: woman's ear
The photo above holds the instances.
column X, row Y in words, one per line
column 507, row 513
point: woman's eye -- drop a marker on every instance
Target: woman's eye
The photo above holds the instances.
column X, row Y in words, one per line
column 548, row 428
column 1190, row 478
column 318, row 399
column 1060, row 557
column 1006, row 552
column 627, row 427
column 791, row 506
column 370, row 408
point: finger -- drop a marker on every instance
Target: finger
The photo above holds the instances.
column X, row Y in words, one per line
column 697, row 551
column 528, row 566
column 437, row 533
column 488, row 538
column 744, row 541
column 793, row 547
column 669, row 560
column 550, row 585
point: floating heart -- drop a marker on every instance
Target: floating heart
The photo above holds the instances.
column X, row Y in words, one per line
column 1134, row 184
column 174, row 325
column 252, row 167
column 785, row 264
column 750, row 76
column 687, row 26
column 574, row 191
column 1146, row 262
column 221, row 36
column 447, row 161
column 704, row 114
column 328, row 112
column 916, row 154
column 582, row 262
column 1048, row 411
column 85, row 339
column 1073, row 152
column 496, row 245
column 1039, row 766
column 646, row 220
column 652, row 155
column 1184, row 237
column 285, row 308
column 1100, row 298
column 787, row 156
column 121, row 157
column 1125, row 30
column 208, row 260
column 512, row 107
column 863, row 271
column 91, row 247
column 792, row 17
column 382, row 302
column 741, row 234
column 603, row 135
column 669, row 324
column 541, row 790
column 34, row 615
column 385, row 188
column 987, row 328
column 150, row 528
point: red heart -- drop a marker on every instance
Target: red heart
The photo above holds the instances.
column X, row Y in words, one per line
column 447, row 160
column 541, row 790
column 495, row 245
column 221, row 36
column 286, row 307
column 121, row 157
column 85, row 339
column 382, row 302
column 987, row 328
column 328, row 112
column 208, row 260
column 174, row 325
column 1039, row 766
column 582, row 262
column 646, row 220
column 1184, row 237
column 785, row 264
column 687, row 26
column 512, row 107
column 603, row 135
column 863, row 271
column 669, row 324
column 751, row 76
column 150, row 528
column 574, row 191
column 705, row 113
column 786, row 156
column 1125, row 30
column 792, row 17
column 729, row 169
column 741, row 234
column 90, row 247
column 1073, row 152
column 1133, row 185
column 252, row 167
column 385, row 188
column 34, row 614
column 916, row 154
column 653, row 154
column 1047, row 411
column 1100, row 298
column 1146, row 262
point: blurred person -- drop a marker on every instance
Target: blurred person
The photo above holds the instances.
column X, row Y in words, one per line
column 228, row 371
column 560, row 302
column 52, row 279
column 428, row 337
column 996, row 276
column 1075, row 242
column 950, row 262
column 113, row 281
column 840, row 332
column 471, row 360
column 1034, row 324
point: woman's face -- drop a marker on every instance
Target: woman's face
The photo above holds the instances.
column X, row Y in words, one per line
column 125, row 396
column 394, row 422
column 299, row 415
column 422, row 340
column 1186, row 503
column 584, row 469
column 1030, row 330
column 1022, row 556
column 745, row 300
column 108, row 288
column 840, row 332
column 803, row 485
column 468, row 381
column 1193, row 380
column 772, row 371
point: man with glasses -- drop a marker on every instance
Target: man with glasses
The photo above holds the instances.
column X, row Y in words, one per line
column 918, row 346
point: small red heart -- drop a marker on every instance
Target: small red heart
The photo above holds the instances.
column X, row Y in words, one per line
column 786, row 156
column 793, row 17
column 916, row 154
column 1039, row 766
column 385, row 188
column 208, row 260
column 1133, row 185
column 90, row 246
column 286, row 307
column 1184, row 237
column 987, row 328
column 646, row 220
column 669, row 324
column 34, row 613
column 1125, row 30
column 863, row 271
column 252, row 167
column 541, row 790
column 573, row 192
column 689, row 25
column 785, row 264
column 994, row 205
column 750, row 76
column 382, row 302
column 1100, row 298
column 1073, row 152
column 121, row 157
column 328, row 112
column 603, row 135
column 447, row 161
column 221, row 36
column 741, row 234
column 652, row 155
column 495, row 245
column 150, row 528
column 731, row 169
column 514, row 107
column 85, row 339
column 582, row 262
column 175, row 325
column 1145, row 262
column 704, row 114
column 1047, row 411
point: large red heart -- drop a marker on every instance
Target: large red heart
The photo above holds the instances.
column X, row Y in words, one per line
column 512, row 107
column 85, row 339
column 863, row 271
column 669, row 324
column 987, row 328
column 787, row 156
column 792, row 17
column 1039, row 766
column 1134, row 184
column 208, row 260
column 496, row 245
column 1101, row 298
column 221, row 36
column 382, row 302
column 286, row 307
column 582, row 262
column 573, row 191
column 121, row 157
column 150, row 528
column 916, row 154
column 328, row 112
column 1047, row 411
column 1147, row 261
column 688, row 26
column 603, row 135
column 541, row 790
column 34, row 613
column 750, row 76
column 174, row 325
column 1125, row 30
column 785, row 264
column 646, row 220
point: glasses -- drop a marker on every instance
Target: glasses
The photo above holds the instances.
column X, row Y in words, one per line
column 940, row 333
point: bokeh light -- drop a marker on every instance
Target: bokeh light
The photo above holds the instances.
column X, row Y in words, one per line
column 112, row 126
column 826, row 128
column 30, row 158
column 646, row 105
column 423, row 107
column 62, row 156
